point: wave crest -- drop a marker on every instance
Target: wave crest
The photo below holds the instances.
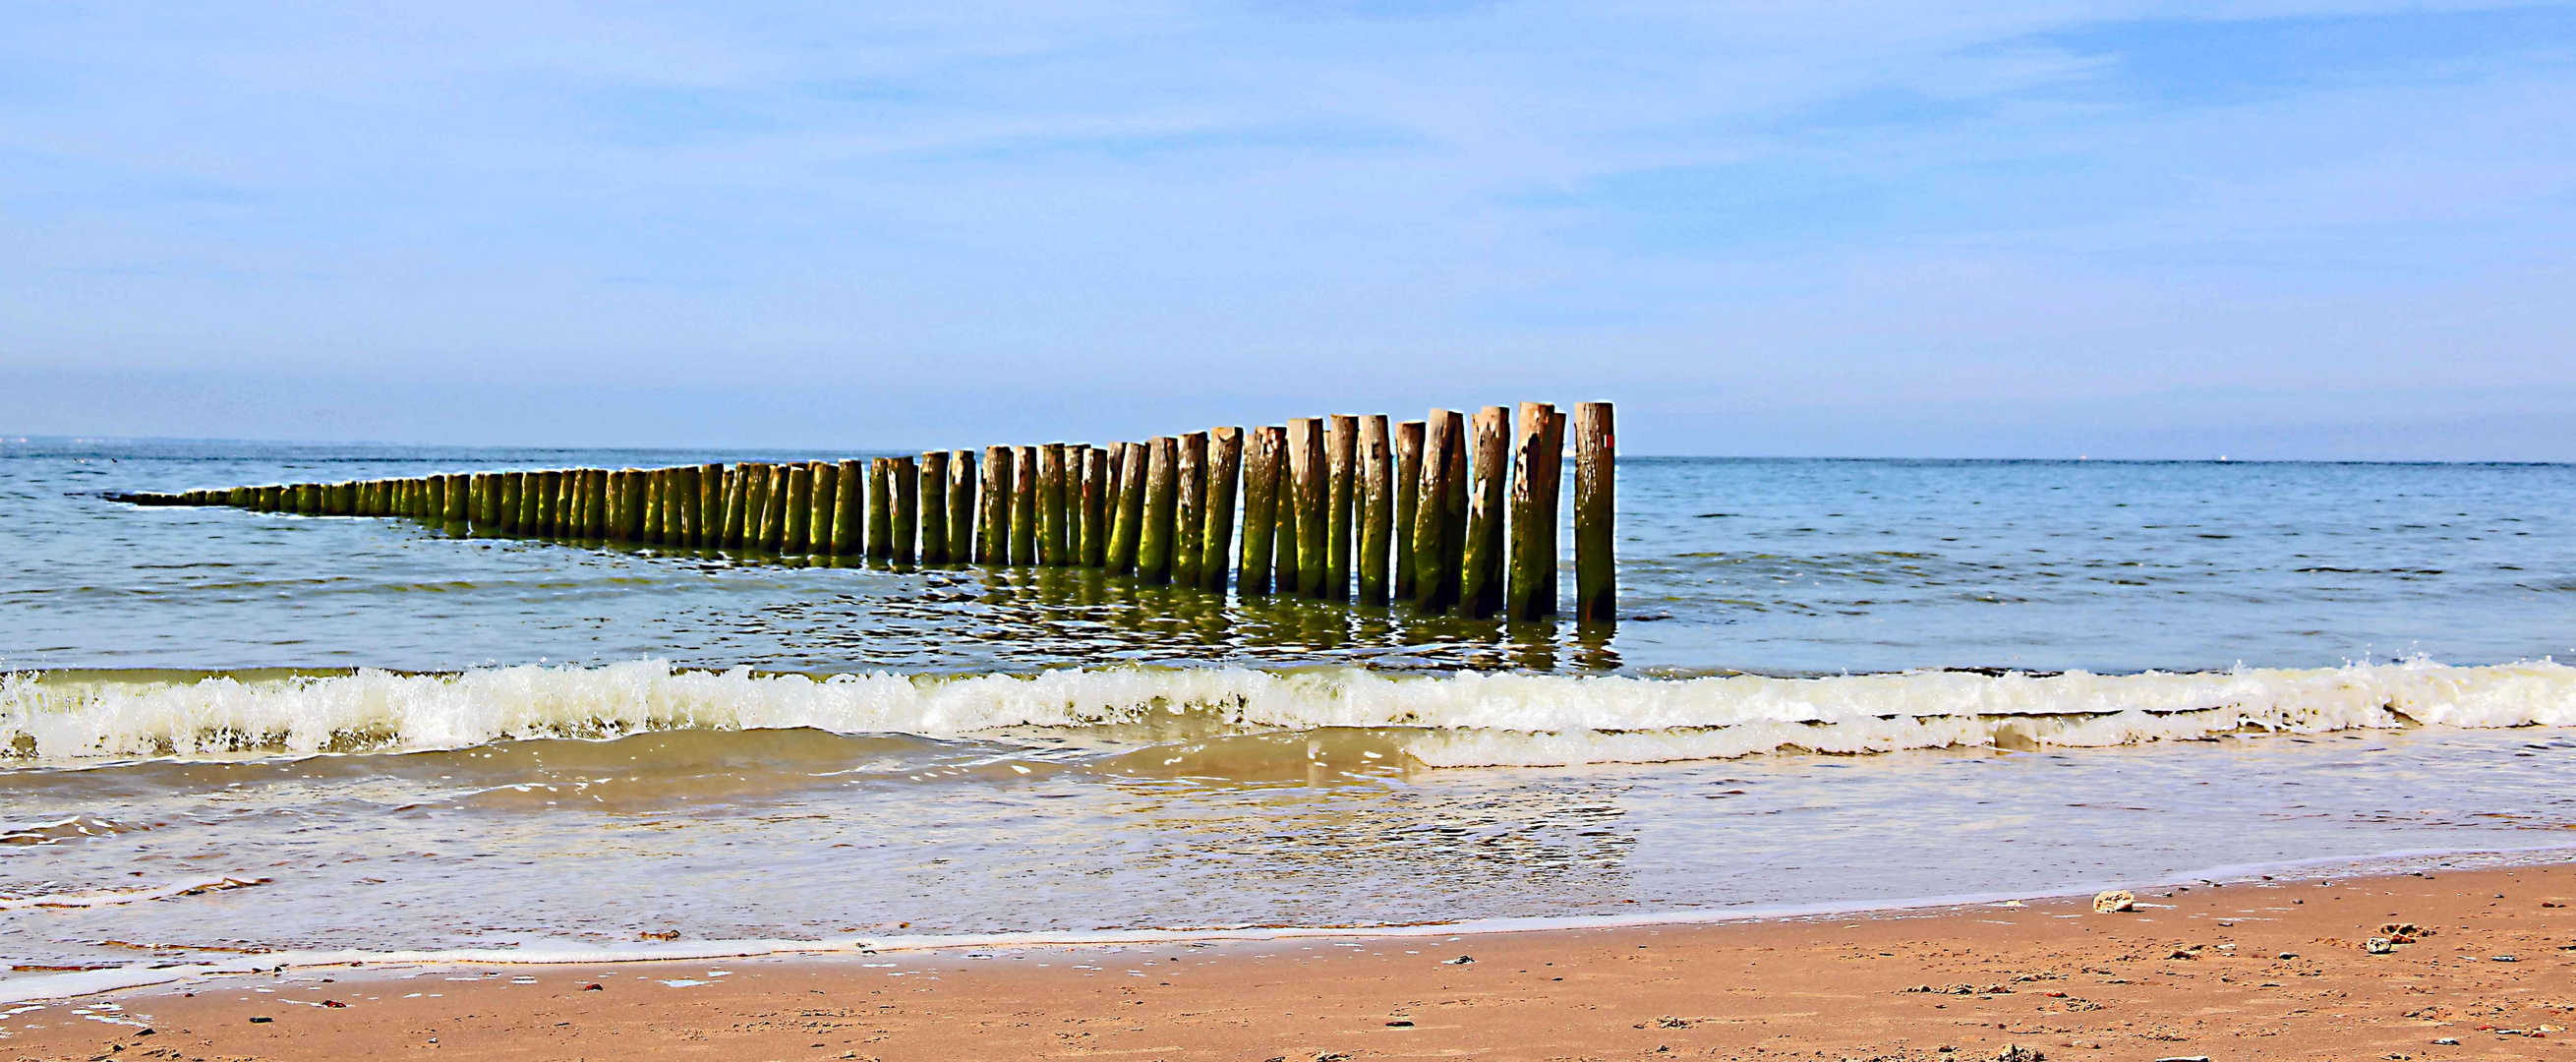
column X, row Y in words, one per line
column 1464, row 719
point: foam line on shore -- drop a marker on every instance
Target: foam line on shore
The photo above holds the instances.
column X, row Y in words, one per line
column 1460, row 719
column 92, row 982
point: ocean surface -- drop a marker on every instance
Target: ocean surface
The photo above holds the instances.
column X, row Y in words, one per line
column 226, row 733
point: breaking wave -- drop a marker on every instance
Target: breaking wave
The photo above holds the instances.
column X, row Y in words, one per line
column 1457, row 720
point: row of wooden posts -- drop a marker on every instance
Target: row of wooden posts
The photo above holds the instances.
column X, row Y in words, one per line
column 1454, row 514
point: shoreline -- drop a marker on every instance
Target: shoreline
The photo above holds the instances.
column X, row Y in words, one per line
column 2194, row 972
column 70, row 985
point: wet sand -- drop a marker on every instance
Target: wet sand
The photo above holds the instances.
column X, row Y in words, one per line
column 2266, row 969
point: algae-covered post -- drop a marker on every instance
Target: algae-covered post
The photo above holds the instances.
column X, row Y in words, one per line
column 1435, row 566
column 1053, row 538
column 1162, row 490
column 1264, row 451
column 1310, row 482
column 1480, row 573
column 1225, row 470
column 1024, row 505
column 1596, row 577
column 1376, row 508
column 993, row 527
column 1127, row 529
column 800, row 510
column 880, row 508
column 1341, row 461
column 907, row 509
column 961, row 507
column 1530, row 583
column 1189, row 508
column 934, row 507
column 1095, row 507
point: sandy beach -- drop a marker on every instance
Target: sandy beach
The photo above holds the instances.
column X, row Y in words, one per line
column 2261, row 969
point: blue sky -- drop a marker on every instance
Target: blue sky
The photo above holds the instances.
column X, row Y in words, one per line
column 1974, row 229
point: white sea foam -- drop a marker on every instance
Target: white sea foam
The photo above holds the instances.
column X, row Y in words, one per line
column 1463, row 719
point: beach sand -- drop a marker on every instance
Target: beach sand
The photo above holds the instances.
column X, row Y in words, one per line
column 2267, row 969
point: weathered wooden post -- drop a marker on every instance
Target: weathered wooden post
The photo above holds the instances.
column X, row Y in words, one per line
column 1435, row 573
column 1376, row 507
column 822, row 507
column 1480, row 576
column 1341, row 478
column 1024, row 506
column 508, row 498
column 993, row 531
column 1127, row 531
column 612, row 519
column 1285, row 580
column 1312, row 480
column 848, row 507
column 1189, row 511
column 1596, row 575
column 880, row 509
column 1095, row 507
column 1225, row 470
column 693, row 513
column 1054, row 540
column 773, row 519
column 934, row 507
column 961, row 507
column 1266, row 451
column 1530, row 591
column 1162, row 492
column 800, row 510
column 907, row 509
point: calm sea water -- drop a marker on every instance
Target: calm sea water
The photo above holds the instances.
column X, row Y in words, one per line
column 422, row 741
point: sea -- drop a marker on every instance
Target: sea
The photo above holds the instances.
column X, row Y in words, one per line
column 242, row 740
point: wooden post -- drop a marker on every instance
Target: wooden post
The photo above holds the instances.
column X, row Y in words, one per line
column 711, row 506
column 1313, row 482
column 1127, row 532
column 1054, row 540
column 1189, row 511
column 595, row 481
column 549, row 494
column 993, row 531
column 693, row 515
column 880, row 508
column 613, row 521
column 934, row 507
column 728, row 524
column 268, row 497
column 1262, row 458
column 907, row 508
column 1162, row 492
column 1024, row 506
column 1480, row 575
column 671, row 506
column 1530, row 586
column 1435, row 579
column 513, row 501
column 1556, row 425
column 849, row 508
column 1341, row 465
column 1285, row 580
column 1376, row 508
column 1095, row 507
column 638, row 504
column 800, row 510
column 773, row 508
column 822, row 507
column 662, row 521
column 1225, row 470
column 961, row 507
column 1596, row 574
